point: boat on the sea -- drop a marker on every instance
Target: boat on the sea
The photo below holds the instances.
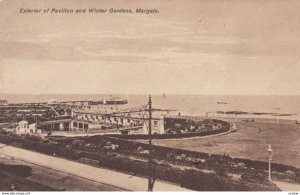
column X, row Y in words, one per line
column 222, row 103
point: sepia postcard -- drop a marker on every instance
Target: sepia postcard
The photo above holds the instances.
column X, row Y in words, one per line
column 156, row 95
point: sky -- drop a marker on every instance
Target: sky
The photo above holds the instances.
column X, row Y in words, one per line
column 214, row 47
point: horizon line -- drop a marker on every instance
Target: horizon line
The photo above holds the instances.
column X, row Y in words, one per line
column 154, row 94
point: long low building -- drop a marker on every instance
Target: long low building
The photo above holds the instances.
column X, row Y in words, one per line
column 134, row 122
column 126, row 121
column 105, row 101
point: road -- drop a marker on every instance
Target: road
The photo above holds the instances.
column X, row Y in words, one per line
column 117, row 179
column 58, row 180
column 284, row 186
column 9, row 181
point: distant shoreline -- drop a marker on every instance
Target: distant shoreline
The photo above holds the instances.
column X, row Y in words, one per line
column 254, row 113
column 288, row 118
column 240, row 106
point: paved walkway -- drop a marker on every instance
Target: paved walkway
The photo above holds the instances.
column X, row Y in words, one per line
column 284, row 186
column 196, row 137
column 106, row 176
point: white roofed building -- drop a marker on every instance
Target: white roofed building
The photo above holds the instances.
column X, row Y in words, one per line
column 53, row 102
column 3, row 102
column 22, row 128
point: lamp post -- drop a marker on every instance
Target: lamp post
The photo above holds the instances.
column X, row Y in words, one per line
column 269, row 149
column 151, row 164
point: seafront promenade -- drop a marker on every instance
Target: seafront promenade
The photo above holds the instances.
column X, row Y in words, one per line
column 117, row 179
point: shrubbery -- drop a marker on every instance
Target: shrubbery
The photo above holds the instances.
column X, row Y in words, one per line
column 225, row 126
column 192, row 179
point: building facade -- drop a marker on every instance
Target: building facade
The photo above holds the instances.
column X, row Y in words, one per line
column 3, row 102
column 132, row 123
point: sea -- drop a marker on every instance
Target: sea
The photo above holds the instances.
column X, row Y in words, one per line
column 285, row 107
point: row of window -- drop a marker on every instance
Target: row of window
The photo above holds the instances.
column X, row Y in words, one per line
column 80, row 125
column 129, row 121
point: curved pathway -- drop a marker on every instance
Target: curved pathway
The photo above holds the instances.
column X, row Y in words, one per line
column 191, row 138
column 284, row 186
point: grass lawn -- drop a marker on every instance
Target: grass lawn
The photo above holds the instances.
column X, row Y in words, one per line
column 249, row 143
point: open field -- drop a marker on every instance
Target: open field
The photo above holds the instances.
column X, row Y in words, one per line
column 248, row 143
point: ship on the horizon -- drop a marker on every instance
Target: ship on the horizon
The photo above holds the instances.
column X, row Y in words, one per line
column 222, row 103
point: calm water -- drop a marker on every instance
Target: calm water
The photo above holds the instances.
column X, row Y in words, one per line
column 189, row 104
